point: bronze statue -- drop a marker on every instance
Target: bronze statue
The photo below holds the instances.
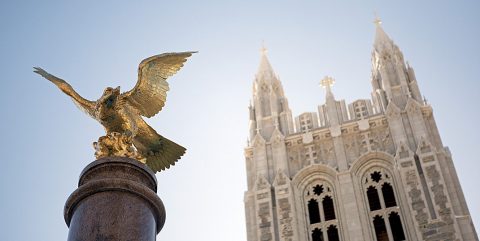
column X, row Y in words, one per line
column 120, row 113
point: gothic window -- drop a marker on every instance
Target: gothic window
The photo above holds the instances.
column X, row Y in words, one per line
column 322, row 216
column 317, row 235
column 383, row 205
column 388, row 195
column 328, row 209
column 332, row 233
column 373, row 199
column 396, row 224
column 313, row 211
column 318, row 190
column 380, row 228
column 376, row 176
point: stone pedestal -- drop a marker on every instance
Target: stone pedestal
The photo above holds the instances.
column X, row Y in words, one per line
column 116, row 200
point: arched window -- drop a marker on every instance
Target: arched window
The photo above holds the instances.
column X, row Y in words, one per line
column 373, row 199
column 396, row 224
column 317, row 235
column 380, row 228
column 313, row 211
column 320, row 202
column 388, row 195
column 384, row 210
column 332, row 233
column 328, row 209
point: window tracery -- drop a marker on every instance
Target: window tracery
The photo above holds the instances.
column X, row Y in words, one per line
column 321, row 217
column 383, row 205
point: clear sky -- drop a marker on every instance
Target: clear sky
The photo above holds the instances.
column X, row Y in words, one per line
column 46, row 141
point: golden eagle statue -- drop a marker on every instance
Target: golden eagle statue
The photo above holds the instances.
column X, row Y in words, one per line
column 120, row 113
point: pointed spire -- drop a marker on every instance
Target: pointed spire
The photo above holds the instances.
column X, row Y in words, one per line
column 381, row 38
column 265, row 70
column 269, row 102
column 263, row 50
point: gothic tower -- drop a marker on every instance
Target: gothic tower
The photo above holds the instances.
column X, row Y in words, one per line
column 373, row 170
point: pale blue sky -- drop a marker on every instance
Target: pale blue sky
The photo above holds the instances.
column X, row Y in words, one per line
column 46, row 141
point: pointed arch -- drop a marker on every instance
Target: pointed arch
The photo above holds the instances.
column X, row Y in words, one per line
column 396, row 227
column 380, row 228
column 311, row 172
column 373, row 198
column 328, row 208
column 317, row 183
column 332, row 233
column 313, row 211
column 375, row 175
column 317, row 235
column 364, row 162
column 388, row 195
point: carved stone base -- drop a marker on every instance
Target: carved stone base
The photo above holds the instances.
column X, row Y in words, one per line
column 116, row 200
column 116, row 144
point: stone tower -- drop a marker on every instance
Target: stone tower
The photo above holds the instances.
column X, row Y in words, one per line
column 373, row 170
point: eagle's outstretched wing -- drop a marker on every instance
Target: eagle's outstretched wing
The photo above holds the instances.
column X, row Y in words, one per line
column 83, row 104
column 160, row 152
column 150, row 93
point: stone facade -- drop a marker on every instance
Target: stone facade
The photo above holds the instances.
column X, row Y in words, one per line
column 375, row 169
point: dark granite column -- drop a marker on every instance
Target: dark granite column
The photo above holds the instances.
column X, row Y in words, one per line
column 116, row 200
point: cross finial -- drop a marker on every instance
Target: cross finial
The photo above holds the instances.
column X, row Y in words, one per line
column 327, row 82
column 377, row 21
column 263, row 50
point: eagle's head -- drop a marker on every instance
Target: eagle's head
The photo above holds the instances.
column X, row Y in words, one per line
column 109, row 97
column 105, row 106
